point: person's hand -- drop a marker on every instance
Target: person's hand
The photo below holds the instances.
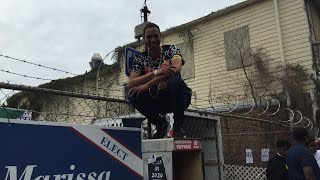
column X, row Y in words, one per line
column 137, row 90
column 173, row 68
column 167, row 71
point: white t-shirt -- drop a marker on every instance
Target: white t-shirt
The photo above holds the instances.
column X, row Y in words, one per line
column 317, row 157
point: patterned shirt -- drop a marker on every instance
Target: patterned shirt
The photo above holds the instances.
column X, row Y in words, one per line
column 143, row 64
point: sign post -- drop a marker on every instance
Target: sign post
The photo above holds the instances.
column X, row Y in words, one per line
column 130, row 54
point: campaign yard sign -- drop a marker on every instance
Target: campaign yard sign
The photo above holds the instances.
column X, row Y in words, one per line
column 32, row 150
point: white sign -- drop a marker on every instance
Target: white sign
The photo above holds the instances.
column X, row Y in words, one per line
column 27, row 115
column 110, row 145
column 265, row 155
column 249, row 156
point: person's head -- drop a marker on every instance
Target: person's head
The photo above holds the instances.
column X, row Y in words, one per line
column 282, row 147
column 311, row 145
column 300, row 135
column 152, row 36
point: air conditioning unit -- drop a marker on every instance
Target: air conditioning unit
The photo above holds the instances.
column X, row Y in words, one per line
column 138, row 30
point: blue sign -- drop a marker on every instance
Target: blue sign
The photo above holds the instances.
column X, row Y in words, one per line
column 32, row 150
column 130, row 54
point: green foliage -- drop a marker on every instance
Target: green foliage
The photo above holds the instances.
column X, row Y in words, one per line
column 28, row 100
column 70, row 84
column 316, row 90
column 118, row 55
column 37, row 101
column 15, row 100
column 281, row 97
column 188, row 36
column 291, row 77
column 315, row 66
column 294, row 79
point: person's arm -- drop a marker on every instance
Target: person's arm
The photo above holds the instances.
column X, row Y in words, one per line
column 307, row 161
column 156, row 80
column 309, row 173
column 136, row 90
column 177, row 63
column 135, row 79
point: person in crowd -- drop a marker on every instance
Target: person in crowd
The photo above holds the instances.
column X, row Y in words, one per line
column 311, row 144
column 301, row 163
column 277, row 168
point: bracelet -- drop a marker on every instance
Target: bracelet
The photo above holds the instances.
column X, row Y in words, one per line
column 155, row 73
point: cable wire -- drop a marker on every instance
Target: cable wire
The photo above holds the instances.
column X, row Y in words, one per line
column 46, row 79
column 23, row 75
column 39, row 65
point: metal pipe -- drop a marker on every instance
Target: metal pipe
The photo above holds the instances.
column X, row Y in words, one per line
column 59, row 92
column 278, row 24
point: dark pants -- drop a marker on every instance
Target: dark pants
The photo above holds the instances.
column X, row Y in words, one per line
column 175, row 98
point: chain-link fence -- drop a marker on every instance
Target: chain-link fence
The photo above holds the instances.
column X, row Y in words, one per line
column 69, row 107
column 234, row 146
column 248, row 144
column 62, row 106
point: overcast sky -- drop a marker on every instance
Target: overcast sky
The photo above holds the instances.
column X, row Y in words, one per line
column 64, row 34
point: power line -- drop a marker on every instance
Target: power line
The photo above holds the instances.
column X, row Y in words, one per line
column 55, row 69
column 39, row 65
column 38, row 78
column 26, row 76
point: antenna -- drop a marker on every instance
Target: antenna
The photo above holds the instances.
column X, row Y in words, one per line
column 138, row 30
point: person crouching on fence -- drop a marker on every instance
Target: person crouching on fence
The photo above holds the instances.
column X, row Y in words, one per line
column 155, row 84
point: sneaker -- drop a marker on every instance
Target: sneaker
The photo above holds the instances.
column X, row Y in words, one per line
column 179, row 133
column 162, row 131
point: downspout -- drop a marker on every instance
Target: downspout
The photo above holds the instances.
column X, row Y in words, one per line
column 276, row 9
column 315, row 59
column 281, row 50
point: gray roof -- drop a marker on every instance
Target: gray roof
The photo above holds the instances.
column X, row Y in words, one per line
column 206, row 18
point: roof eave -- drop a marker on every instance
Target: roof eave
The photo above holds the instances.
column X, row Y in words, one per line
column 201, row 20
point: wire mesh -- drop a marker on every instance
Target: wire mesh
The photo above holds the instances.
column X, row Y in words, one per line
column 225, row 137
column 248, row 146
column 60, row 108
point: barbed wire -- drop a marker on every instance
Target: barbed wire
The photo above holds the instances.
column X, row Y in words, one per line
column 47, row 67
column 286, row 123
column 39, row 65
column 59, row 92
column 197, row 108
column 26, row 76
column 254, row 133
column 47, row 79
column 59, row 70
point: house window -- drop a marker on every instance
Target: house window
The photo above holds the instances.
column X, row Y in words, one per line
column 237, row 48
column 187, row 54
